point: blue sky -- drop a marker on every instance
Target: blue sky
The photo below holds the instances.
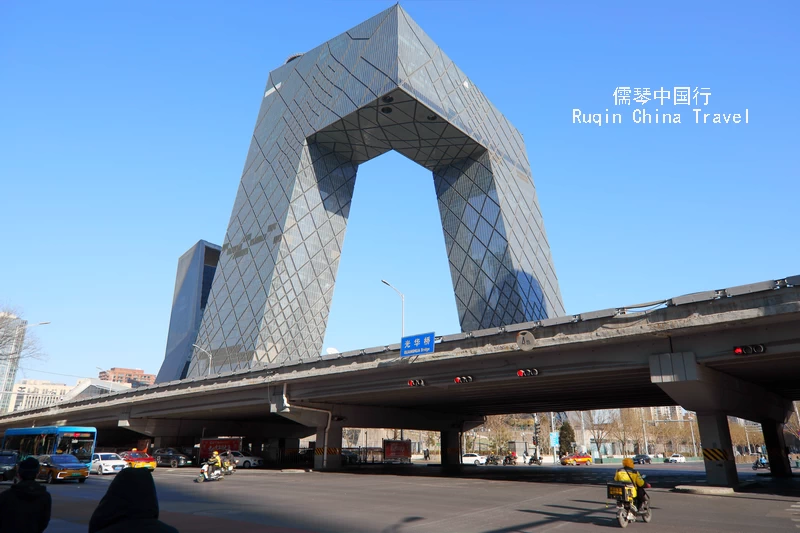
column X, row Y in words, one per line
column 124, row 129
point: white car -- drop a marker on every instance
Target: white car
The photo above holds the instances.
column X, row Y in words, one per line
column 106, row 463
column 473, row 458
column 246, row 461
column 677, row 458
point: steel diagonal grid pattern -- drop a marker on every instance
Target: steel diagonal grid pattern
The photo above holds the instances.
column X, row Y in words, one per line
column 383, row 85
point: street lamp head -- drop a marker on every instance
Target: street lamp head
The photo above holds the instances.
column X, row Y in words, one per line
column 41, row 324
column 385, row 282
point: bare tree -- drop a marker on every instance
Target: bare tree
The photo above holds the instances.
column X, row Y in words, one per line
column 499, row 432
column 16, row 341
column 599, row 425
column 626, row 426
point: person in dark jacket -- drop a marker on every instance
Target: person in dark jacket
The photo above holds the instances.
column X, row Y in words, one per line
column 130, row 505
column 25, row 507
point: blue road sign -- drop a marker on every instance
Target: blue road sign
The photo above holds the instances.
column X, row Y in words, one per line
column 417, row 344
column 554, row 438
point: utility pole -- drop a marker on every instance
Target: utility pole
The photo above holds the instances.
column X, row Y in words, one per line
column 583, row 434
column 644, row 432
column 694, row 445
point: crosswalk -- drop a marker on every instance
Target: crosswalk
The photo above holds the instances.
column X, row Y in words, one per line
column 795, row 510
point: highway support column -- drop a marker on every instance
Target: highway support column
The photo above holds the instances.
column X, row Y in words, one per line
column 333, row 457
column 715, row 436
column 451, row 447
column 776, row 448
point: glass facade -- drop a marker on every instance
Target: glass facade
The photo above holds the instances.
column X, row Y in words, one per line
column 383, row 85
column 193, row 282
column 12, row 339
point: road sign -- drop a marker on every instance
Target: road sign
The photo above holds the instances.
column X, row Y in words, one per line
column 417, row 344
column 525, row 340
column 554, row 439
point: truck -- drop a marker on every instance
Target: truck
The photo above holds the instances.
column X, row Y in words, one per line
column 221, row 444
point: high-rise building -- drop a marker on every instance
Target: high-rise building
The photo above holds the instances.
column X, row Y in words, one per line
column 668, row 412
column 135, row 376
column 382, row 85
column 33, row 393
column 192, row 286
column 12, row 339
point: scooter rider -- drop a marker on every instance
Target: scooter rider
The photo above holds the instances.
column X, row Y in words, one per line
column 214, row 462
column 627, row 474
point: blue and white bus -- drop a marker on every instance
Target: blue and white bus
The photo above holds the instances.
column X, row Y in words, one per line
column 51, row 440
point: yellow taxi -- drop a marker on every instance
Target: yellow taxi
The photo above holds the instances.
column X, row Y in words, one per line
column 137, row 459
column 577, row 459
column 61, row 467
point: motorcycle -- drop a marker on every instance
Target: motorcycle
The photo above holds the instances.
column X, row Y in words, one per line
column 535, row 461
column 209, row 474
column 760, row 463
column 228, row 466
column 627, row 512
column 492, row 460
column 508, row 460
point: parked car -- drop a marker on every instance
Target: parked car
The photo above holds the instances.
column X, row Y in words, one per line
column 349, row 457
column 171, row 457
column 61, row 467
column 642, row 459
column 137, row 459
column 473, row 458
column 246, row 461
column 677, row 458
column 8, row 465
column 577, row 459
column 107, row 463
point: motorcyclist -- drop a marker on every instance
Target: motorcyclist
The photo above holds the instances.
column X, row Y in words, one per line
column 627, row 474
column 214, row 462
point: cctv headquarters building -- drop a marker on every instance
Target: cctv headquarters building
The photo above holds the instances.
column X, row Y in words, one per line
column 263, row 299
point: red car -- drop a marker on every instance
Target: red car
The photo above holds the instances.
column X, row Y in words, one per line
column 577, row 459
column 137, row 459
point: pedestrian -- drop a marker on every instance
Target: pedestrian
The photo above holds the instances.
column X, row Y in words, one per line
column 129, row 506
column 25, row 507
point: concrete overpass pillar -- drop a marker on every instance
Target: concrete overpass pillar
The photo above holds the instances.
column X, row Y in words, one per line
column 334, row 455
column 776, row 448
column 451, row 447
column 715, row 437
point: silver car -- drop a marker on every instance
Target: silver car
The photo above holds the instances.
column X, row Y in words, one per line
column 246, row 461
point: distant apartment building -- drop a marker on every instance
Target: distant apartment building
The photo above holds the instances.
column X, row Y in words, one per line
column 668, row 412
column 33, row 393
column 134, row 376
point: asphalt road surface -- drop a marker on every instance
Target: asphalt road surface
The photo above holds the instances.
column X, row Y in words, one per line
column 420, row 499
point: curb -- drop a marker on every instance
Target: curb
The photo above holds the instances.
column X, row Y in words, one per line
column 295, row 470
column 707, row 491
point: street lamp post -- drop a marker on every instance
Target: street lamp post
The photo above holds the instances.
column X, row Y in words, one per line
column 210, row 358
column 402, row 308
column 402, row 320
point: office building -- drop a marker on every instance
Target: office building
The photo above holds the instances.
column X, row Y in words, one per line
column 12, row 339
column 33, row 393
column 192, row 287
column 382, row 85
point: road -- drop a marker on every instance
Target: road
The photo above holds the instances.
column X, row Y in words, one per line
column 421, row 500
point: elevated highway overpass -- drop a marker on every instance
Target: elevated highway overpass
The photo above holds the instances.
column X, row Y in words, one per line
column 676, row 351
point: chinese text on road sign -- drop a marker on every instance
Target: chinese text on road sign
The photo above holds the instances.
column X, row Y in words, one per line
column 417, row 344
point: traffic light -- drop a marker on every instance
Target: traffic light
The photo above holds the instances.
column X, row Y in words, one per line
column 463, row 379
column 416, row 382
column 750, row 349
column 525, row 372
